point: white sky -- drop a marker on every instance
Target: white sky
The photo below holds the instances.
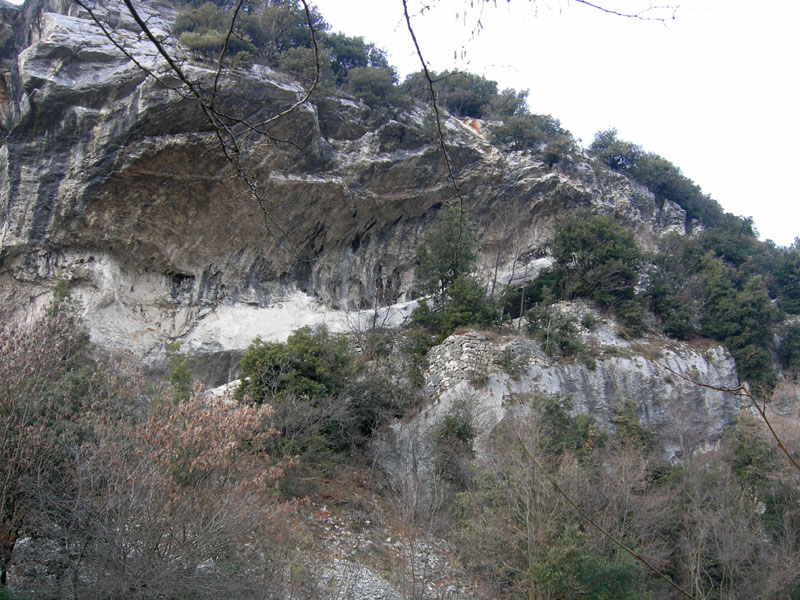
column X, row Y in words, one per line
column 715, row 91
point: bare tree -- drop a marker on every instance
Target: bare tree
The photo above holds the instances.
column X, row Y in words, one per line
column 37, row 417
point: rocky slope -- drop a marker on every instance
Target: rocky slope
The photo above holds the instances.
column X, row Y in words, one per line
column 117, row 185
column 114, row 182
column 489, row 378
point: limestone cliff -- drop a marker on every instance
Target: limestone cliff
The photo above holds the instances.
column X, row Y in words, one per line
column 471, row 372
column 114, row 182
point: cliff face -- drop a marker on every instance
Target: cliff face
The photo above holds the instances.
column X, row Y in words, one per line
column 469, row 374
column 114, row 182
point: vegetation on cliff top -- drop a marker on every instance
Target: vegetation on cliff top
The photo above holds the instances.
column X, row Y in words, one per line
column 147, row 494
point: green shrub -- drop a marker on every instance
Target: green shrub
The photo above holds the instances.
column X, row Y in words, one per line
column 629, row 427
column 554, row 330
column 630, row 313
column 204, row 30
column 589, row 321
column 453, row 439
column 508, row 103
column 660, row 176
column 569, row 568
column 309, row 364
column 348, row 53
column 374, row 85
column 324, row 401
column 261, row 33
column 787, row 278
column 561, row 431
column 459, row 93
column 789, row 350
column 674, row 308
column 530, row 132
column 596, row 259
column 179, row 374
column 732, row 239
column 444, row 262
column 742, row 320
column 464, row 304
column 447, row 252
column 299, row 62
column 513, row 361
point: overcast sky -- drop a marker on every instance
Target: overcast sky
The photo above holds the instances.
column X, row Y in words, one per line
column 714, row 90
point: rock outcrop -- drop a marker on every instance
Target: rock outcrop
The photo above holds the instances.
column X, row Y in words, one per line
column 115, row 182
column 472, row 372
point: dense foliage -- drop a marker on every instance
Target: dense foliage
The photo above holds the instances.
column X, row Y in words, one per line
column 722, row 284
column 708, row 286
column 521, row 537
column 324, row 400
column 126, row 492
column 659, row 175
column 596, row 258
column 275, row 32
column 444, row 264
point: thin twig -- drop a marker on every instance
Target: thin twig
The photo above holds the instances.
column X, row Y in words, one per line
column 740, row 390
column 641, row 15
column 224, row 50
column 430, row 79
column 596, row 525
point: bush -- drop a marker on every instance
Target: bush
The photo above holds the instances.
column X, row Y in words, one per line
column 530, row 132
column 513, row 361
column 262, row 33
column 453, row 440
column 508, row 103
column 561, row 432
column 555, row 331
column 659, row 175
column 374, row 85
column 629, row 427
column 596, row 259
column 789, row 350
column 461, row 94
column 742, row 320
column 732, row 239
column 348, row 53
column 465, row 303
column 299, row 62
column 309, row 364
column 324, row 402
column 204, row 30
column 179, row 373
column 787, row 278
column 447, row 253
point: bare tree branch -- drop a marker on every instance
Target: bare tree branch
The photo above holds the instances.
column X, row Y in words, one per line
column 740, row 390
column 642, row 14
column 596, row 525
column 435, row 106
column 224, row 51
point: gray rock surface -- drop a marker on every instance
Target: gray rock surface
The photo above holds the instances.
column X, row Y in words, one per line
column 115, row 183
column 468, row 370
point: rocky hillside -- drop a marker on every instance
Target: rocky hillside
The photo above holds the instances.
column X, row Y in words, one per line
column 187, row 209
column 118, row 186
